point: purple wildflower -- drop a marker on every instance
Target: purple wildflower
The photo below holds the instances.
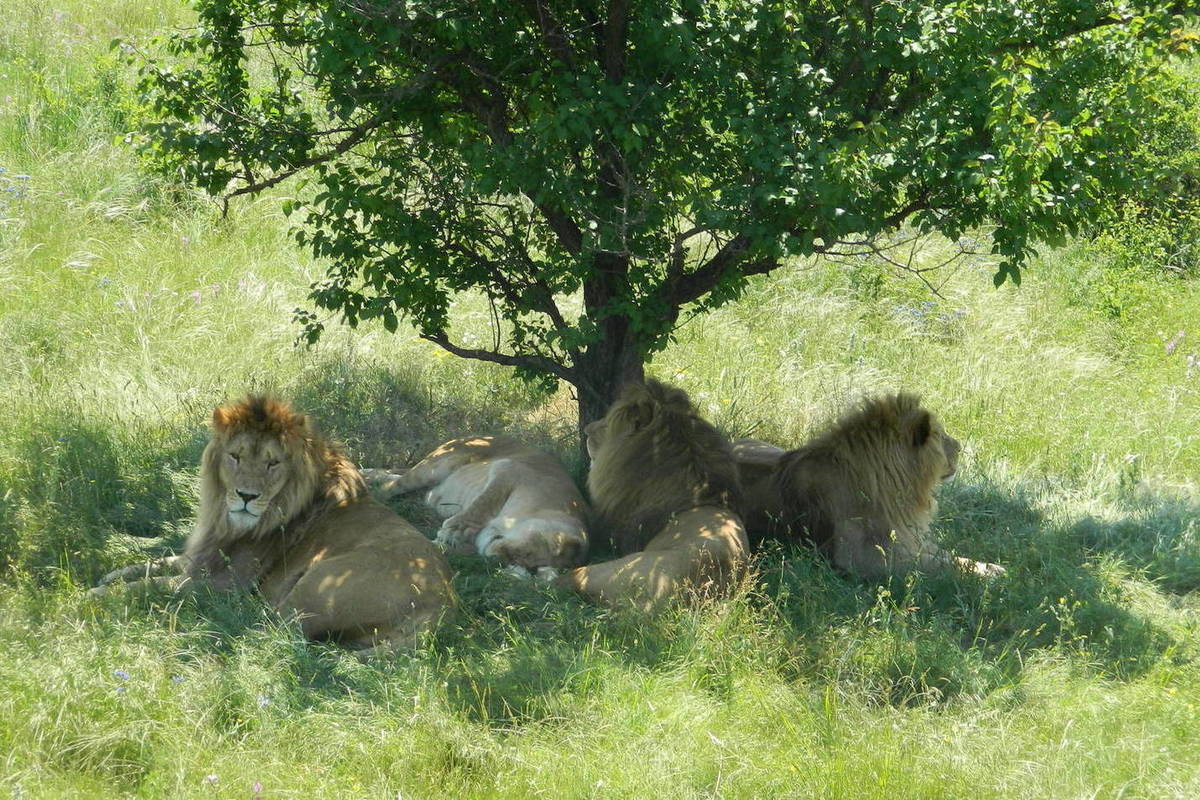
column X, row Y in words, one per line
column 1174, row 342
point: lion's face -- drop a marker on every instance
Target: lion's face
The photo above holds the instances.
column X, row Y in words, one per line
column 596, row 434
column 253, row 468
column 950, row 450
column 935, row 452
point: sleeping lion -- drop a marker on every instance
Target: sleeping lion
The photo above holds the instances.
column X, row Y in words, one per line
column 283, row 511
column 862, row 492
column 665, row 488
column 499, row 498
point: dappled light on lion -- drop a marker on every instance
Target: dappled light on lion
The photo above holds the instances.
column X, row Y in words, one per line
column 285, row 513
column 664, row 487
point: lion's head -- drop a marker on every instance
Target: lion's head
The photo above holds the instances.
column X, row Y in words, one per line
column 264, row 466
column 653, row 456
column 884, row 458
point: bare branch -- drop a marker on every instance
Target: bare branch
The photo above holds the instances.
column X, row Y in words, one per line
column 696, row 284
column 871, row 247
column 538, row 363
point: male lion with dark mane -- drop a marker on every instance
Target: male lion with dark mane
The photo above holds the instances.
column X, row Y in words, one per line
column 662, row 482
column 500, row 498
column 284, row 511
column 862, row 492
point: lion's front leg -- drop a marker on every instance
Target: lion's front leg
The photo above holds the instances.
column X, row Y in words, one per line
column 388, row 484
column 163, row 573
column 146, row 569
column 983, row 569
column 458, row 532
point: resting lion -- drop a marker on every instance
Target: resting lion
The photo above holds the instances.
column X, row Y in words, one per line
column 663, row 482
column 284, row 511
column 862, row 492
column 499, row 498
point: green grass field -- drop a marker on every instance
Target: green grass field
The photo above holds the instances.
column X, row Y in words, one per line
column 127, row 311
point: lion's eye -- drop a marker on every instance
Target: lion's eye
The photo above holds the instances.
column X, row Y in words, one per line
column 272, row 464
column 235, row 457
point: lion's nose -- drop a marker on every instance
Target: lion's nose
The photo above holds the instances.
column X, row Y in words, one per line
column 247, row 496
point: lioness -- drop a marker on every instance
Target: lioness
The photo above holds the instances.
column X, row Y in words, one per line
column 664, row 484
column 499, row 498
column 863, row 491
column 284, row 511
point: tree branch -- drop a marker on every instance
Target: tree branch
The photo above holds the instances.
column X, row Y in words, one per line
column 1017, row 45
column 358, row 135
column 355, row 136
column 491, row 109
column 700, row 282
column 552, row 32
column 538, row 363
column 615, row 30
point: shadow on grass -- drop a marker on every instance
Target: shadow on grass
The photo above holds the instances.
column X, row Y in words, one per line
column 923, row 639
column 1157, row 535
column 78, row 481
column 519, row 652
column 85, row 490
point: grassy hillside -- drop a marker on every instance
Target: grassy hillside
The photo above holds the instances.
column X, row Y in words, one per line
column 128, row 309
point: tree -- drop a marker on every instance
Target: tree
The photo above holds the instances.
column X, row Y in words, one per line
column 603, row 171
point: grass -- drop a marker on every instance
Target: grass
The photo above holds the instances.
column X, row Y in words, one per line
column 127, row 312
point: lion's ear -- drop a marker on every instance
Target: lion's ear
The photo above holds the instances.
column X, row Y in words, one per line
column 636, row 405
column 222, row 418
column 305, row 425
column 921, row 428
column 641, row 413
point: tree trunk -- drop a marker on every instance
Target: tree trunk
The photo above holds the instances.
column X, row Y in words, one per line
column 603, row 368
column 616, row 358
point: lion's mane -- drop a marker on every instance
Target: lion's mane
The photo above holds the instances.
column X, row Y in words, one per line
column 658, row 457
column 884, row 459
column 321, row 477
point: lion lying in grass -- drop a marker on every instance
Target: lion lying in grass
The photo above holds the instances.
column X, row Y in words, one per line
column 284, row 511
column 664, row 485
column 862, row 492
column 499, row 498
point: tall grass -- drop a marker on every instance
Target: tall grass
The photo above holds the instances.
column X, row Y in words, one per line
column 127, row 310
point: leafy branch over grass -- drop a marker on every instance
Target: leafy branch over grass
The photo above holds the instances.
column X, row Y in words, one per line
column 649, row 159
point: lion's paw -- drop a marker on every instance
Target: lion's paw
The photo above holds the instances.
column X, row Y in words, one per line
column 986, row 570
column 457, row 534
column 383, row 481
column 546, row 574
column 517, row 571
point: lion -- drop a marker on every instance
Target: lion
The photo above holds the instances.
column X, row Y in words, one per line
column 283, row 511
column 862, row 492
column 664, row 485
column 499, row 498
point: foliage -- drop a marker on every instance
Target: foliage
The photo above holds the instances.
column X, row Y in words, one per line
column 121, row 325
column 651, row 157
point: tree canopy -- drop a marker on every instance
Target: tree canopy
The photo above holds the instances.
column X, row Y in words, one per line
column 602, row 171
